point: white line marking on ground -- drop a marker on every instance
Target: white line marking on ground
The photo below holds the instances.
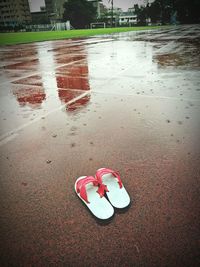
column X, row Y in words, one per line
column 34, row 73
column 7, row 137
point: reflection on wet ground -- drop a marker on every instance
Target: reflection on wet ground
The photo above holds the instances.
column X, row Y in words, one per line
column 48, row 72
column 82, row 102
column 128, row 101
column 32, row 96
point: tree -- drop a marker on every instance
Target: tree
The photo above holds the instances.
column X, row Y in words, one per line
column 155, row 12
column 80, row 13
column 141, row 14
column 187, row 10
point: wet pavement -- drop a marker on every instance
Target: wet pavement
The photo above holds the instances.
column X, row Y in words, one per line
column 128, row 101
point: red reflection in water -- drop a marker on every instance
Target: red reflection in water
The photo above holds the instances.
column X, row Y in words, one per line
column 77, row 70
column 28, row 90
column 25, row 65
column 68, row 49
column 32, row 80
column 73, row 77
column 30, row 96
column 18, row 54
column 67, row 95
column 67, row 59
column 79, row 103
column 78, row 83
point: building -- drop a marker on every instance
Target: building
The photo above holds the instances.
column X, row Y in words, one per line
column 131, row 10
column 127, row 19
column 116, row 10
column 112, row 16
column 54, row 9
column 14, row 13
column 39, row 17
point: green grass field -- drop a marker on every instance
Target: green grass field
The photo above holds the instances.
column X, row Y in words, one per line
column 29, row 37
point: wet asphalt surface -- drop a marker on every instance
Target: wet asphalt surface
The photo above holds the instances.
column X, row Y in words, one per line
column 129, row 102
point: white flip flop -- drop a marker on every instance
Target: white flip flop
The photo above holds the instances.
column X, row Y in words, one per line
column 88, row 191
column 114, row 188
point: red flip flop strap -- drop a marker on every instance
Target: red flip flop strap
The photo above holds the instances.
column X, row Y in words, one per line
column 81, row 186
column 103, row 171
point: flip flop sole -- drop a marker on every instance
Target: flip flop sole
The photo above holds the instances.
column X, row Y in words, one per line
column 118, row 197
column 99, row 207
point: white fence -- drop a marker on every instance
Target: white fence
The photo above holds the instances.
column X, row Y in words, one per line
column 59, row 26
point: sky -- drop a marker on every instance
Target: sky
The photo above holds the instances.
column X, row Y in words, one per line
column 36, row 4
column 124, row 4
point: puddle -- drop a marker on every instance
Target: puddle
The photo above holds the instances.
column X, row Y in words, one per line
column 83, row 102
column 46, row 75
column 72, row 83
column 169, row 60
column 75, row 70
column 67, row 95
column 29, row 65
column 32, row 96
column 32, row 80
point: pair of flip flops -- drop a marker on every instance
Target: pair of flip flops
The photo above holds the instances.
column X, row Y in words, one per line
column 92, row 191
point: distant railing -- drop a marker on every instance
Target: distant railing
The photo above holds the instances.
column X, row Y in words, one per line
column 59, row 26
